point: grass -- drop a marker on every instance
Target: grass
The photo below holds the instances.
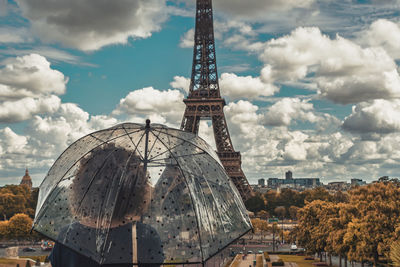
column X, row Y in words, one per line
column 12, row 262
column 301, row 262
column 35, row 258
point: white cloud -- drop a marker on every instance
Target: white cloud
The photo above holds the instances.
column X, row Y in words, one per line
column 181, row 82
column 342, row 71
column 159, row 106
column 207, row 133
column 241, row 42
column 30, row 76
column 237, row 87
column 50, row 135
column 90, row 25
column 12, row 142
column 233, row 33
column 378, row 116
column 102, row 122
column 383, row 33
column 233, row 25
column 283, row 112
column 46, row 137
column 187, row 40
column 14, row 35
column 296, row 148
column 28, row 86
column 268, row 152
column 256, row 9
column 242, row 119
column 25, row 108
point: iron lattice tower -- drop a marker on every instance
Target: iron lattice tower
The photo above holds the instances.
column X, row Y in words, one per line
column 204, row 99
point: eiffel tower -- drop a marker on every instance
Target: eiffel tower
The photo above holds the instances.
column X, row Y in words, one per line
column 204, row 99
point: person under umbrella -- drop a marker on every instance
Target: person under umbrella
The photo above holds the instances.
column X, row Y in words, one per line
column 102, row 169
column 137, row 194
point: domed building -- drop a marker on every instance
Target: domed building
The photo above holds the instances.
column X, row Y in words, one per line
column 26, row 180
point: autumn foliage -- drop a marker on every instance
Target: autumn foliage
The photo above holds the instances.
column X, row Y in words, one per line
column 17, row 199
column 17, row 208
column 17, row 228
column 362, row 228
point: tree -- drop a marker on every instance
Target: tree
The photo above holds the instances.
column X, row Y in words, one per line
column 274, row 229
column 19, row 226
column 11, row 204
column 314, row 226
column 260, row 225
column 285, row 198
column 17, row 199
column 255, row 204
column 376, row 219
column 271, row 199
column 338, row 226
column 293, row 212
column 4, row 233
column 263, row 214
column 318, row 193
column 280, row 211
column 341, row 197
column 395, row 253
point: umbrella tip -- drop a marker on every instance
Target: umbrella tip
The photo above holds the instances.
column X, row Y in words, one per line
column 147, row 123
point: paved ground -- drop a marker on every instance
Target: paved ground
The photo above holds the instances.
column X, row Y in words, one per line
column 248, row 261
column 274, row 257
column 335, row 262
column 259, row 247
column 287, row 264
column 37, row 252
column 291, row 264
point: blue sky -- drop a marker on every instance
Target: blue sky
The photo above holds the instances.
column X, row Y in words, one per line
column 311, row 87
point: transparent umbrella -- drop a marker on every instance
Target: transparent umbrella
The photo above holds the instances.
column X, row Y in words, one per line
column 141, row 194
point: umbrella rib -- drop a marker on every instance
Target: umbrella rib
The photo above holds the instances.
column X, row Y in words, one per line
column 191, row 197
column 91, row 135
column 92, row 180
column 41, row 211
column 180, row 156
column 187, row 141
column 95, row 137
column 146, row 145
column 165, row 151
column 135, row 180
column 198, row 176
column 88, row 187
column 151, row 149
column 116, row 197
column 136, row 146
column 216, row 205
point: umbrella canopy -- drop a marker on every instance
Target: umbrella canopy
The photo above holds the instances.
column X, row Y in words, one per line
column 141, row 194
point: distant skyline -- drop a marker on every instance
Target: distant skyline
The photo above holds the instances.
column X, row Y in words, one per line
column 311, row 86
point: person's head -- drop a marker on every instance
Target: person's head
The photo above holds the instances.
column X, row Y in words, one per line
column 110, row 182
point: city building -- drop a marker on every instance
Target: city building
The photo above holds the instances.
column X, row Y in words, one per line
column 261, row 182
column 338, row 186
column 26, row 179
column 357, row 182
column 293, row 183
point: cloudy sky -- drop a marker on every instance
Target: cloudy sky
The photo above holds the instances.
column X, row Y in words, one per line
column 312, row 86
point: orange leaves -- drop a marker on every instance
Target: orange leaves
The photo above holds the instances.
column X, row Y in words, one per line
column 360, row 229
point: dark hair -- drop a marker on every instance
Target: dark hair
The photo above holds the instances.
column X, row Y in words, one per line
column 110, row 181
